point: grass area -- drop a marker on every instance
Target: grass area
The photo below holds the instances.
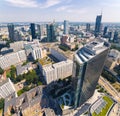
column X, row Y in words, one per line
column 45, row 61
column 8, row 73
column 20, row 92
column 106, row 108
column 116, row 85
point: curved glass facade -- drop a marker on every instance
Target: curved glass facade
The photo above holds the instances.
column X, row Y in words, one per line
column 86, row 76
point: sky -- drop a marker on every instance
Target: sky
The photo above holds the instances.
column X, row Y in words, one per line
column 59, row 10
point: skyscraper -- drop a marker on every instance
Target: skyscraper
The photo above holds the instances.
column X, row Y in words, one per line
column 32, row 28
column 51, row 32
column 111, row 35
column 40, row 31
column 115, row 39
column 87, row 27
column 88, row 65
column 98, row 25
column 105, row 30
column 66, row 27
column 11, row 31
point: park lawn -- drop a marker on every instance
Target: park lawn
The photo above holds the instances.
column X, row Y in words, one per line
column 104, row 111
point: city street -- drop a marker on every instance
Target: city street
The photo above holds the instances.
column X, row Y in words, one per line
column 110, row 89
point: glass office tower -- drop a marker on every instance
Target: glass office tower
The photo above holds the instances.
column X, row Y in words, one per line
column 87, row 68
column 66, row 27
column 11, row 31
column 98, row 25
column 51, row 34
column 33, row 32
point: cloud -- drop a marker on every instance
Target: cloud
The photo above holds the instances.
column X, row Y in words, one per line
column 34, row 3
column 63, row 8
column 72, row 9
column 23, row 3
column 77, row 11
column 50, row 3
column 111, row 5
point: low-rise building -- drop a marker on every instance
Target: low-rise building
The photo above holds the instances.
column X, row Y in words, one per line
column 36, row 52
column 12, row 59
column 35, row 49
column 17, row 46
column 23, row 69
column 31, row 103
column 113, row 59
column 28, row 46
column 6, row 88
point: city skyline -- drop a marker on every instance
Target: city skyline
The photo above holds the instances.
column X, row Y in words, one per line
column 48, row 10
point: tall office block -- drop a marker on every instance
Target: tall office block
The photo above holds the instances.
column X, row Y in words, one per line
column 87, row 68
column 98, row 25
column 87, row 27
column 115, row 39
column 105, row 30
column 111, row 35
column 51, row 32
column 32, row 28
column 66, row 27
column 11, row 31
column 40, row 31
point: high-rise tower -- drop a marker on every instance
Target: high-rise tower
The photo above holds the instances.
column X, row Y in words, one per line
column 66, row 27
column 105, row 30
column 87, row 27
column 98, row 25
column 32, row 28
column 87, row 68
column 51, row 37
column 11, row 31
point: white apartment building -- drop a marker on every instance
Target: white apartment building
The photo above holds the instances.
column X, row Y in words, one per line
column 17, row 46
column 36, row 52
column 57, row 71
column 6, row 88
column 12, row 59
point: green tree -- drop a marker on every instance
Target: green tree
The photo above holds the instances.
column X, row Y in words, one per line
column 19, row 78
column 1, row 103
column 1, row 71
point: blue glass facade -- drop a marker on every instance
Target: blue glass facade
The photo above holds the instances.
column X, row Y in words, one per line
column 86, row 76
column 98, row 25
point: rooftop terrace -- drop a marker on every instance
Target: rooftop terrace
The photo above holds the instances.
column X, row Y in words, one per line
column 46, row 60
column 91, row 49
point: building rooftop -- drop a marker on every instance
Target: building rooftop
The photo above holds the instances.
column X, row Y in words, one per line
column 2, row 82
column 91, row 49
column 115, row 54
column 21, row 69
column 28, row 99
column 46, row 61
